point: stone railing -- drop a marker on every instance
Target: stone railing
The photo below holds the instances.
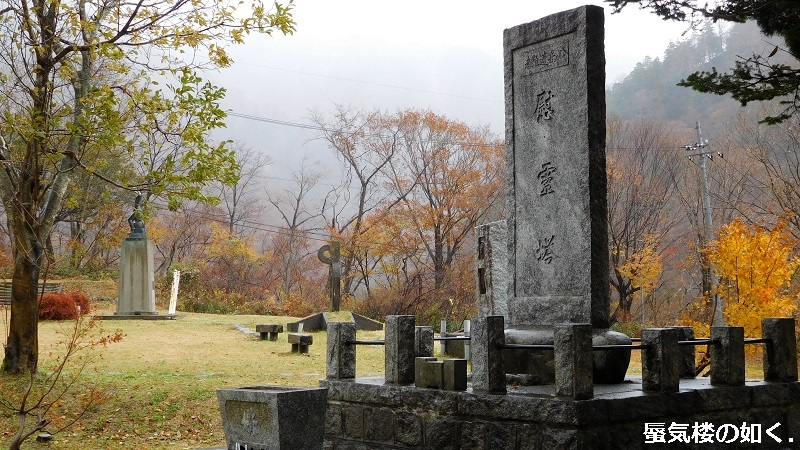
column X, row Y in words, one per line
column 668, row 354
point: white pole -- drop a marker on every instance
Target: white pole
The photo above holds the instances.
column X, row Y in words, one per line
column 173, row 298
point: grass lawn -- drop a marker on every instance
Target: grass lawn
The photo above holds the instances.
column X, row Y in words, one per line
column 158, row 384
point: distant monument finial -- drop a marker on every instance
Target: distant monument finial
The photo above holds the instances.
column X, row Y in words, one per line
column 330, row 254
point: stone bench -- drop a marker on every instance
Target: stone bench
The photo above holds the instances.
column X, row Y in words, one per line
column 269, row 331
column 300, row 342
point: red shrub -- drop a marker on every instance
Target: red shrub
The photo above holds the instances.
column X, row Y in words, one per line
column 54, row 306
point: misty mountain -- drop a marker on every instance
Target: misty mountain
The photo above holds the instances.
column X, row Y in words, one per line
column 651, row 91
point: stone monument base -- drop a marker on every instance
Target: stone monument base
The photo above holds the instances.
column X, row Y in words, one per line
column 536, row 367
column 368, row 414
column 148, row 316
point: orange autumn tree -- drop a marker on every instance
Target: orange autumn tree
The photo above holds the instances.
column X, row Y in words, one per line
column 755, row 267
column 448, row 178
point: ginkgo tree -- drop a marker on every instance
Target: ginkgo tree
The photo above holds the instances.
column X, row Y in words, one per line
column 108, row 77
column 755, row 265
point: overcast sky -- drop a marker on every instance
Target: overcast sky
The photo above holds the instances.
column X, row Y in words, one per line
column 443, row 55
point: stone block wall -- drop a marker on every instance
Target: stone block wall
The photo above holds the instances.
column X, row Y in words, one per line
column 366, row 414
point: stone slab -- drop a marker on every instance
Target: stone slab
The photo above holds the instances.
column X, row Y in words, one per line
column 269, row 328
column 300, row 338
column 556, row 182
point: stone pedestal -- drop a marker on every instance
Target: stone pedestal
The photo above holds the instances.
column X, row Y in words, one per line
column 137, row 295
column 273, row 417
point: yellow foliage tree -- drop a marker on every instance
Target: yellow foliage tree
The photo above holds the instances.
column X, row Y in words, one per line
column 755, row 266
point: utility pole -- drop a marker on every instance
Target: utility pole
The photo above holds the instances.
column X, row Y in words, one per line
column 718, row 320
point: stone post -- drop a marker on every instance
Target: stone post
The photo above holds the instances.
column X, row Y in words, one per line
column 574, row 360
column 780, row 354
column 660, row 368
column 727, row 356
column 423, row 341
column 687, row 358
column 341, row 350
column 454, row 377
column 492, row 269
column 428, row 372
column 399, row 349
column 488, row 371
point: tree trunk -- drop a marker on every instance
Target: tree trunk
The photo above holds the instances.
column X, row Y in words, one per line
column 22, row 347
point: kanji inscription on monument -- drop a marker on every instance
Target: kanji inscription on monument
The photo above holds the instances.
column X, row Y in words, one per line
column 555, row 125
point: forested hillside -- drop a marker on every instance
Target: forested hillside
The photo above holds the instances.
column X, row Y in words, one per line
column 651, row 90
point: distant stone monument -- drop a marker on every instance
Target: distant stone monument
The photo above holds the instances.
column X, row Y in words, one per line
column 136, row 275
column 556, row 185
column 330, row 254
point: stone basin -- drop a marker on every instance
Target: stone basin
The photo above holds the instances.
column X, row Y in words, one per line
column 531, row 367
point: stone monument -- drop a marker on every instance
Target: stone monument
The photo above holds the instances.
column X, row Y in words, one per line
column 137, row 294
column 558, row 305
column 330, row 254
column 556, row 185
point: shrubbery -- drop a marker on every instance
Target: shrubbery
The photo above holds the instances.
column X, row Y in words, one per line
column 55, row 306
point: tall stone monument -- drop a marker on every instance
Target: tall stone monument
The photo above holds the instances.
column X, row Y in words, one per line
column 137, row 294
column 557, row 228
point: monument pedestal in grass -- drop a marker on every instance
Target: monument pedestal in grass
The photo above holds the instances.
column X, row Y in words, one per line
column 137, row 294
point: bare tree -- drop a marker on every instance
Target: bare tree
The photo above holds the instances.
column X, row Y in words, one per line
column 643, row 157
column 776, row 186
column 238, row 199
column 365, row 143
column 299, row 217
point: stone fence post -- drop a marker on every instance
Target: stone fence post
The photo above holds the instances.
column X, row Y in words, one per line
column 423, row 342
column 660, row 368
column 687, row 352
column 727, row 356
column 488, row 371
column 574, row 359
column 780, row 353
column 341, row 351
column 400, row 351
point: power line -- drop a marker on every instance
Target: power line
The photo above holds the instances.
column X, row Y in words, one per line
column 307, row 126
column 280, row 230
column 349, row 132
